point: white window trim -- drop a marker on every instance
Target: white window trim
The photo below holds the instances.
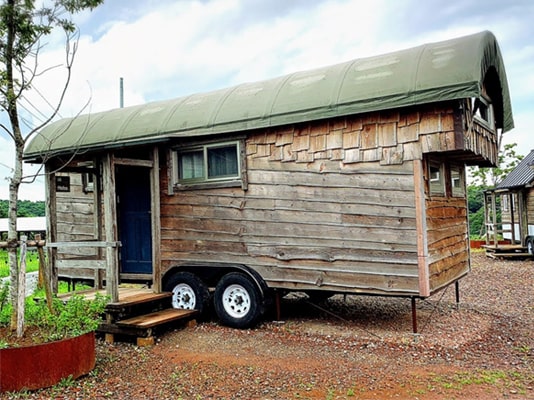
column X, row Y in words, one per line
column 205, row 182
column 458, row 191
column 439, row 182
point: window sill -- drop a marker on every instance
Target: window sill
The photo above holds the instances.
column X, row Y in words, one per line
column 208, row 185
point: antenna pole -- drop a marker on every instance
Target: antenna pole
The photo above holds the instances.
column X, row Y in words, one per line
column 121, row 92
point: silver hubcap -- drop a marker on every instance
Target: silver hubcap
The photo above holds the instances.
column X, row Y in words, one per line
column 183, row 297
column 236, row 301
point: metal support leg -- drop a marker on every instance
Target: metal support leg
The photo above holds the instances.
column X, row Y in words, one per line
column 457, row 292
column 414, row 316
column 277, row 301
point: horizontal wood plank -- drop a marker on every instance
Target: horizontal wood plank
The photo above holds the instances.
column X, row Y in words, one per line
column 156, row 318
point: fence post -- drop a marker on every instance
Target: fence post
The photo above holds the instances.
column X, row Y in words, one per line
column 45, row 274
column 22, row 286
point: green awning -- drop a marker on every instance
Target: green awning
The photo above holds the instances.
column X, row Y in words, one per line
column 453, row 69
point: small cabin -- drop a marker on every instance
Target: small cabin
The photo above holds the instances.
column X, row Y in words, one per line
column 344, row 179
column 509, row 213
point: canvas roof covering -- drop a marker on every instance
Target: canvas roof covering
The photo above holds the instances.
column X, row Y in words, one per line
column 448, row 70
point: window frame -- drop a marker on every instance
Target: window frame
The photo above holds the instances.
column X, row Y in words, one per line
column 457, row 191
column 239, row 179
column 485, row 102
column 436, row 189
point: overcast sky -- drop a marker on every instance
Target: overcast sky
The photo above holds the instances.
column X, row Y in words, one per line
column 170, row 48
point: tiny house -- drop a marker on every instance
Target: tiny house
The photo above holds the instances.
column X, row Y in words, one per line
column 509, row 213
column 344, row 179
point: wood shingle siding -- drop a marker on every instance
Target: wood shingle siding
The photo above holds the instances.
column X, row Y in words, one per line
column 324, row 223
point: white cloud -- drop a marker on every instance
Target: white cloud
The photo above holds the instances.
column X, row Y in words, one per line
column 166, row 49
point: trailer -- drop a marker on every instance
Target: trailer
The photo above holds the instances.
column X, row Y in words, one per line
column 509, row 213
column 343, row 179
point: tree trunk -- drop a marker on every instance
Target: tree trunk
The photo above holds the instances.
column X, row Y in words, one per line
column 17, row 273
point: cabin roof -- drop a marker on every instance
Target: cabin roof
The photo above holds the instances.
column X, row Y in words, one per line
column 448, row 70
column 25, row 224
column 521, row 175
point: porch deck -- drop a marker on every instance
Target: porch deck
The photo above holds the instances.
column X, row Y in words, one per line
column 127, row 295
column 139, row 312
column 506, row 251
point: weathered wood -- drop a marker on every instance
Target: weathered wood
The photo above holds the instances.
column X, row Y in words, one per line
column 134, row 297
column 155, row 219
column 421, row 221
column 338, row 205
column 110, row 222
column 90, row 243
column 51, row 225
column 133, row 162
column 29, row 243
column 21, row 292
column 156, row 318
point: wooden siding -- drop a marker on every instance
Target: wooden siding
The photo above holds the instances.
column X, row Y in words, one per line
column 477, row 139
column 329, row 205
column 529, row 200
column 75, row 219
column 447, row 234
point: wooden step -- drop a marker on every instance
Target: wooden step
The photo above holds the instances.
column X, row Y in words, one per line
column 156, row 318
column 135, row 298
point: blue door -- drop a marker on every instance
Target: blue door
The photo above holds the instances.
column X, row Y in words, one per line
column 133, row 203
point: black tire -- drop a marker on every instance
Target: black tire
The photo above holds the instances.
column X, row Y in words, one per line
column 189, row 292
column 238, row 301
column 530, row 246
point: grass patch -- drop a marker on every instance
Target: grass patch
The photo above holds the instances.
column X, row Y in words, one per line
column 496, row 378
column 32, row 262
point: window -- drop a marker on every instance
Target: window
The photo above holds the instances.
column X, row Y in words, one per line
column 437, row 184
column 457, row 182
column 218, row 162
column 88, row 182
column 505, row 203
column 483, row 112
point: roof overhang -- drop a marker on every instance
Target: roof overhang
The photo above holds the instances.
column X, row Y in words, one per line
column 443, row 71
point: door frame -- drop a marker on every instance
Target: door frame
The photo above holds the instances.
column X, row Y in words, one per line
column 111, row 217
column 139, row 177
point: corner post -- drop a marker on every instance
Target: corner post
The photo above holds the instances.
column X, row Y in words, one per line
column 110, row 222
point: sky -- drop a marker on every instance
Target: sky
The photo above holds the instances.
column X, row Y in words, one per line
column 171, row 48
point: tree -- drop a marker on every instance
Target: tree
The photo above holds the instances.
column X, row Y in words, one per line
column 23, row 27
column 489, row 177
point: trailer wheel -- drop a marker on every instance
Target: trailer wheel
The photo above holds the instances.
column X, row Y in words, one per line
column 188, row 292
column 530, row 246
column 238, row 301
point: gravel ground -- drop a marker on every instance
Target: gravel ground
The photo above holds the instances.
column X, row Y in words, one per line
column 346, row 348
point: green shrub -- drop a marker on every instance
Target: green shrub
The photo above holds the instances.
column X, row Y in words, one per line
column 68, row 319
column 32, row 262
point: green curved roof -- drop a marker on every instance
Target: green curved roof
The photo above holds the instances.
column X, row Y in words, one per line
column 448, row 70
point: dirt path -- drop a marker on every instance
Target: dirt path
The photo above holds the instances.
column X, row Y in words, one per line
column 354, row 348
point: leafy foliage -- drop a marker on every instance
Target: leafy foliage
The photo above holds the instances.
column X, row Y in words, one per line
column 486, row 178
column 68, row 319
column 23, row 27
column 4, row 293
column 490, row 177
column 25, row 208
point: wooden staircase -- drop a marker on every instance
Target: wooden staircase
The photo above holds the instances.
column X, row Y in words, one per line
column 507, row 251
column 140, row 313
